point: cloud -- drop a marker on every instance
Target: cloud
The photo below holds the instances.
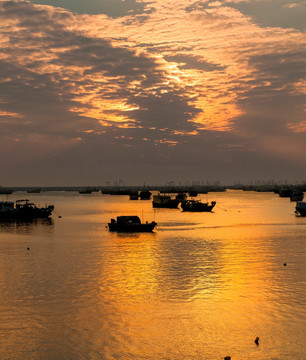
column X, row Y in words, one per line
column 272, row 13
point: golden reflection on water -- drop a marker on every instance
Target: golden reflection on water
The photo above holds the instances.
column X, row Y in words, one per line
column 134, row 266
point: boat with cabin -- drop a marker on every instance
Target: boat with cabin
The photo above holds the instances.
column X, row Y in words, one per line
column 297, row 195
column 165, row 201
column 85, row 191
column 145, row 195
column 130, row 224
column 23, row 210
column 197, row 206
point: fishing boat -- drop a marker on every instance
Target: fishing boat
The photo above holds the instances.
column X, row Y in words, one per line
column 85, row 191
column 165, row 201
column 145, row 195
column 296, row 195
column 33, row 191
column 130, row 224
column 197, row 206
column 23, row 210
column 133, row 195
column 301, row 208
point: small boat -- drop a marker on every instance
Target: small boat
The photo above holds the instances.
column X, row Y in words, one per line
column 130, row 224
column 165, row 201
column 296, row 195
column 133, row 195
column 34, row 191
column 145, row 195
column 85, row 191
column 197, row 205
column 301, row 208
column 285, row 192
column 23, row 210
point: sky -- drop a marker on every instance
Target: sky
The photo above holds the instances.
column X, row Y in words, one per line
column 152, row 91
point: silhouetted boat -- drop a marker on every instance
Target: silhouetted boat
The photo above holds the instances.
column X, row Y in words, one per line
column 296, row 195
column 285, row 192
column 133, row 195
column 301, row 208
column 145, row 195
column 23, row 210
column 34, row 191
column 85, row 191
column 130, row 224
column 197, row 205
column 165, row 201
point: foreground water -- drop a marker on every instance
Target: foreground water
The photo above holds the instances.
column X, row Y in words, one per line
column 202, row 286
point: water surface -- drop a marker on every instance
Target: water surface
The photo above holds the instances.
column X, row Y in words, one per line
column 202, row 286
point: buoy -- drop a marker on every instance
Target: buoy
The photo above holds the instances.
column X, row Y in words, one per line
column 59, row 217
column 285, row 264
column 28, row 248
column 227, row 358
column 257, row 340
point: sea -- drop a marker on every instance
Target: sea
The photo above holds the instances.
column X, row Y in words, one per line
column 202, row 286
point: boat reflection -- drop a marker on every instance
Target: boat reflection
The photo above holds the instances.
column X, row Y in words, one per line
column 27, row 227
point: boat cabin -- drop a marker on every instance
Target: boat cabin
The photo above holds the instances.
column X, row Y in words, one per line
column 128, row 220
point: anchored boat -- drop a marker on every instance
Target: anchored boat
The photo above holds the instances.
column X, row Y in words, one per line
column 130, row 224
column 23, row 210
column 197, row 205
column 165, row 201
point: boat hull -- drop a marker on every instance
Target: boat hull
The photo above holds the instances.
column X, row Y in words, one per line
column 173, row 204
column 131, row 227
column 26, row 215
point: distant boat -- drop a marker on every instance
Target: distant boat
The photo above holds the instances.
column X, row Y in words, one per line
column 34, row 191
column 165, row 201
column 133, row 195
column 23, row 210
column 301, row 208
column 130, row 224
column 296, row 195
column 85, row 191
column 145, row 195
column 197, row 206
column 193, row 193
column 285, row 192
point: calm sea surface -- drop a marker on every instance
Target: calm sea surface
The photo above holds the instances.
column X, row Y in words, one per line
column 201, row 287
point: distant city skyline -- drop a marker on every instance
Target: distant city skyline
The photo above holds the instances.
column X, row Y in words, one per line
column 152, row 91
